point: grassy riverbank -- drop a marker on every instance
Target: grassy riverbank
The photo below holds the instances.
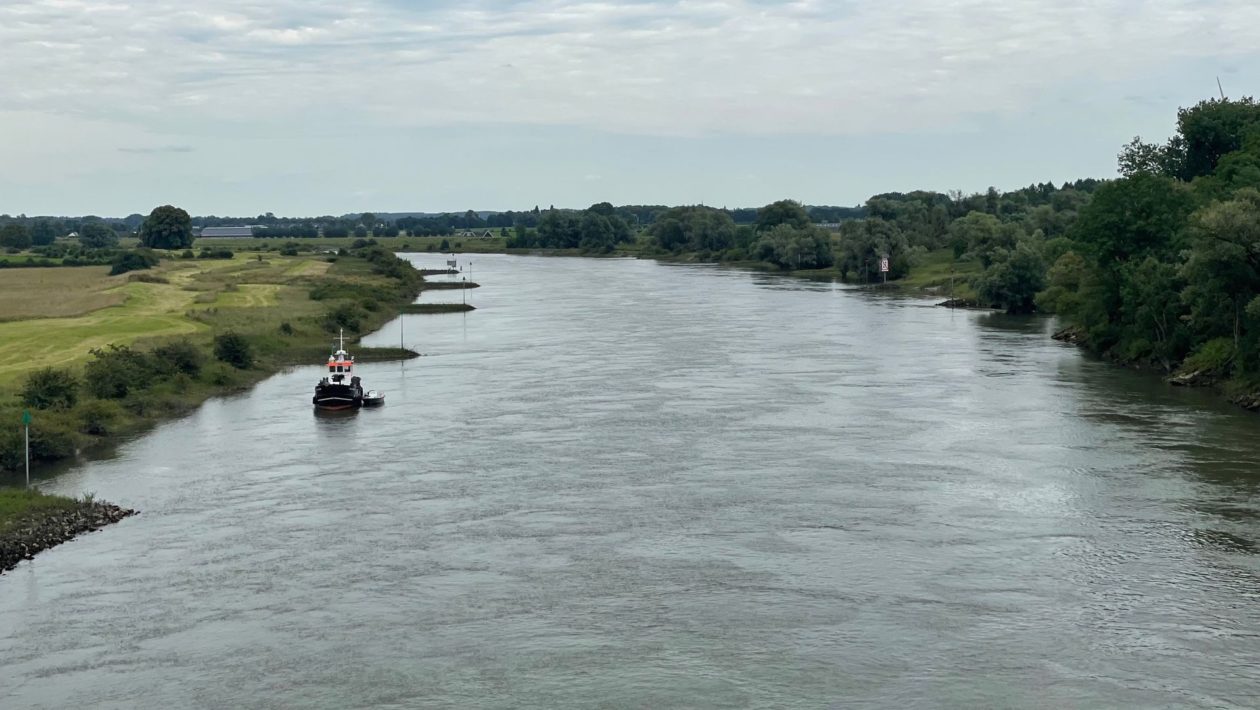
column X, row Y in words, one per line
column 128, row 351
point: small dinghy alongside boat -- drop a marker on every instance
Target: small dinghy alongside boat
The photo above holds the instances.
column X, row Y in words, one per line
column 373, row 398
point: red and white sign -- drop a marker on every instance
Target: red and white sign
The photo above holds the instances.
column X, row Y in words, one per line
column 883, row 264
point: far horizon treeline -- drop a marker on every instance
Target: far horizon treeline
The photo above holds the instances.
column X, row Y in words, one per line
column 22, row 232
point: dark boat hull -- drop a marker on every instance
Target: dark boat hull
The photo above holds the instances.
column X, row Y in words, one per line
column 337, row 396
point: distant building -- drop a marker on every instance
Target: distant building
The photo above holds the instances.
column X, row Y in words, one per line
column 472, row 234
column 227, row 231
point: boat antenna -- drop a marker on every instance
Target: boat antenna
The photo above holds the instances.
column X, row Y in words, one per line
column 341, row 336
column 1218, row 88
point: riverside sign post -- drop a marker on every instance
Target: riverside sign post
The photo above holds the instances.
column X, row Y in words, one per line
column 26, row 424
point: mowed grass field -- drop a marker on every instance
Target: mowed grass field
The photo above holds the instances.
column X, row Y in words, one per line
column 57, row 316
column 58, row 292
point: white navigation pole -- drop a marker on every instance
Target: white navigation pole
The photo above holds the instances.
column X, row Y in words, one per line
column 26, row 424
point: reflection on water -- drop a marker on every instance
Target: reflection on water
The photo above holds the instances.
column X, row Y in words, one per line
column 629, row 484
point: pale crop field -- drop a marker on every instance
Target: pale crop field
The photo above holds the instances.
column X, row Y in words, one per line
column 57, row 316
column 57, row 292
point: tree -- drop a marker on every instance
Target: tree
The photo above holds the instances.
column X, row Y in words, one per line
column 167, row 227
column 794, row 248
column 43, row 232
column 789, row 212
column 97, row 235
column 180, row 356
column 51, row 388
column 863, row 243
column 1013, row 279
column 597, row 232
column 232, row 347
column 15, row 236
column 1132, row 218
column 367, row 219
column 1211, row 130
column 1151, row 312
column 1222, row 273
column 693, row 228
column 1063, row 285
column 115, row 372
column 978, row 234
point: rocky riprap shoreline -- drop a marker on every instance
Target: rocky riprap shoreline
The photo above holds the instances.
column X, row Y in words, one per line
column 50, row 528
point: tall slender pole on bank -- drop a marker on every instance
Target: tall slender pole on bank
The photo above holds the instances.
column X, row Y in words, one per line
column 464, row 291
column 26, row 424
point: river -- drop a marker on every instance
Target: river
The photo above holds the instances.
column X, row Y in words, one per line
column 620, row 483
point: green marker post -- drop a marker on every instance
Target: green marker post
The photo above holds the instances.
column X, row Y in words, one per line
column 26, row 424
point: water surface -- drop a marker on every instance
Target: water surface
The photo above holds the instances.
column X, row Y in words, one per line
column 620, row 483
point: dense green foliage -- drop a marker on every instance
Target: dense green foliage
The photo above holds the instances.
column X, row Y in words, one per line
column 167, row 227
column 597, row 229
column 133, row 260
column 1164, row 264
column 51, row 388
column 692, row 229
column 97, row 235
column 234, row 349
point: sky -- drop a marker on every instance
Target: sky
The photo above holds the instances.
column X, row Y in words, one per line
column 312, row 107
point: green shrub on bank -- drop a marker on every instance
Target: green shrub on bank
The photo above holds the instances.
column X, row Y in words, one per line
column 180, row 356
column 117, row 371
column 232, row 347
column 347, row 316
column 1214, row 357
column 98, row 417
column 135, row 260
column 51, row 388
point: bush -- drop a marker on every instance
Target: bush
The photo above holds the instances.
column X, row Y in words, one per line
column 220, row 375
column 444, row 246
column 179, row 357
column 290, row 249
column 97, row 417
column 148, row 279
column 232, row 348
column 187, row 254
column 51, row 388
column 118, row 371
column 1213, row 357
column 347, row 315
column 52, row 439
column 136, row 260
column 286, row 328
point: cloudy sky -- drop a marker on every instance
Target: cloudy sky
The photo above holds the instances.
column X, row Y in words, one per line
column 329, row 106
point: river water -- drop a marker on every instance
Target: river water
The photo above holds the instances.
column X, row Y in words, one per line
column 626, row 484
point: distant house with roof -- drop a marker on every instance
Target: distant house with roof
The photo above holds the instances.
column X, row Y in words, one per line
column 246, row 231
column 474, row 234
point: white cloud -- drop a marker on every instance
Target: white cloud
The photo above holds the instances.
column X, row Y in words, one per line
column 665, row 68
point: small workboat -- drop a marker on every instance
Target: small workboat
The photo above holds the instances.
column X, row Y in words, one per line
column 373, row 398
column 340, row 388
